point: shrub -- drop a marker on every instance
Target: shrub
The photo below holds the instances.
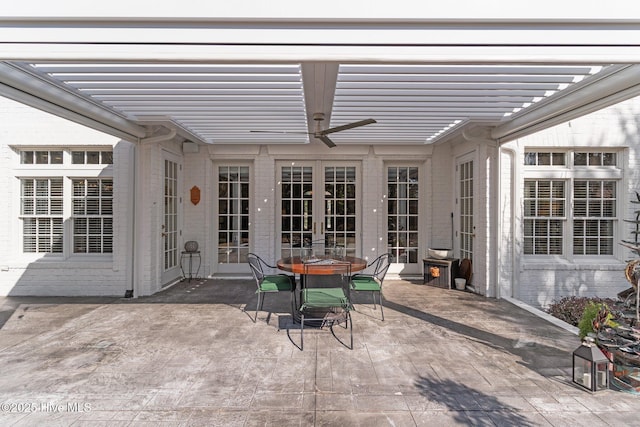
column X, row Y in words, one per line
column 570, row 309
column 596, row 315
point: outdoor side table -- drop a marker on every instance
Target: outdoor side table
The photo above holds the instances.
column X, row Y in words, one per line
column 440, row 272
column 190, row 255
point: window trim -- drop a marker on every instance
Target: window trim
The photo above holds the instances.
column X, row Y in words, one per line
column 570, row 173
column 67, row 171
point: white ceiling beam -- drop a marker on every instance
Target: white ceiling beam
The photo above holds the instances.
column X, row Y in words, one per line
column 319, row 81
column 336, row 33
column 259, row 54
column 334, row 10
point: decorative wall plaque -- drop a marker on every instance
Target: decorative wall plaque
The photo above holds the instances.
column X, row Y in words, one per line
column 195, row 195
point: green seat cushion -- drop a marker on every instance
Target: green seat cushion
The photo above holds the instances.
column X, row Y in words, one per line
column 324, row 297
column 364, row 283
column 276, row 282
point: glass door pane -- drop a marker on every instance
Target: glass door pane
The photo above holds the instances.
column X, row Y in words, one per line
column 465, row 202
column 171, row 211
column 233, row 214
column 402, row 214
column 296, row 209
column 170, row 215
column 340, row 215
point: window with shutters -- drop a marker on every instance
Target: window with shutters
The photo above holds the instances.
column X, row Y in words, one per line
column 66, row 210
column 570, row 202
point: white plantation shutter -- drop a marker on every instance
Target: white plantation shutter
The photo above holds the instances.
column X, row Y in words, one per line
column 544, row 211
column 593, row 200
column 41, row 210
column 92, row 215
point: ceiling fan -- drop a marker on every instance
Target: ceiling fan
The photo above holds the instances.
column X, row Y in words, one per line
column 321, row 134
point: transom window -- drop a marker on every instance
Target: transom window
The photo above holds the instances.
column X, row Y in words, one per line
column 573, row 209
column 92, row 157
column 41, row 157
column 595, row 159
column 57, row 157
column 544, row 158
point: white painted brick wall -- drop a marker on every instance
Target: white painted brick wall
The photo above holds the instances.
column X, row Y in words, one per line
column 197, row 218
column 24, row 126
column 374, row 241
column 264, row 207
column 539, row 284
column 440, row 203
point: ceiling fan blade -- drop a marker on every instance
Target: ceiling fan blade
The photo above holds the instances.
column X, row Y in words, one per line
column 348, row 126
column 280, row 132
column 329, row 143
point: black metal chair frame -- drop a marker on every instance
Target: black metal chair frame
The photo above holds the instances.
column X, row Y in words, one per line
column 332, row 300
column 381, row 265
column 257, row 265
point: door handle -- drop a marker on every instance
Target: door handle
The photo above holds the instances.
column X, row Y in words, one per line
column 322, row 228
column 314, row 228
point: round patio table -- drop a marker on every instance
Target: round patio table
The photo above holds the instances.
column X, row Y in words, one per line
column 296, row 265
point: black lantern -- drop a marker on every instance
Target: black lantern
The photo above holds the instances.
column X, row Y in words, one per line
column 590, row 366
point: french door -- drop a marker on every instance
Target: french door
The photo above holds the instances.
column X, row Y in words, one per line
column 171, row 217
column 318, row 207
column 233, row 217
column 403, row 218
column 464, row 196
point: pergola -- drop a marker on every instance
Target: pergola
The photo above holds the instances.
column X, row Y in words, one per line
column 212, row 74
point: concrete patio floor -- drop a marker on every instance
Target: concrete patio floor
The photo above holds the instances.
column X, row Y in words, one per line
column 191, row 356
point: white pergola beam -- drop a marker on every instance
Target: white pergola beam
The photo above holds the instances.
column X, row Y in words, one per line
column 576, row 54
column 186, row 10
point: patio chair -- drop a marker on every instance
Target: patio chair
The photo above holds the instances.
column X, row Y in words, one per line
column 327, row 304
column 268, row 283
column 372, row 282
